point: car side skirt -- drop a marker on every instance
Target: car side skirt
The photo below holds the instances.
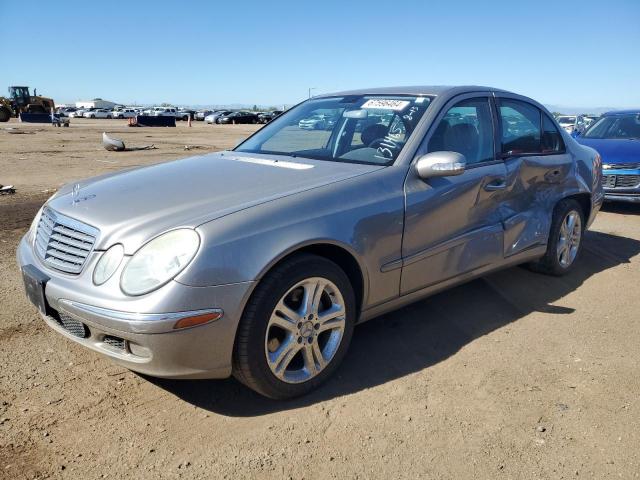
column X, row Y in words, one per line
column 528, row 255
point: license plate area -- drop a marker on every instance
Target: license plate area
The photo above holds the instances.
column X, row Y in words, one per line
column 34, row 284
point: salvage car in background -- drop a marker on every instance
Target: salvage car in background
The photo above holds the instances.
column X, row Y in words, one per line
column 184, row 114
column 98, row 113
column 318, row 121
column 66, row 111
column 238, row 117
column 264, row 264
column 266, row 117
column 213, row 117
column 164, row 112
column 124, row 113
column 571, row 123
column 616, row 136
column 201, row 114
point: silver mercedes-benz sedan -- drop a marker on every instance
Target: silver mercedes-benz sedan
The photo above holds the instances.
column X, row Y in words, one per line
column 259, row 262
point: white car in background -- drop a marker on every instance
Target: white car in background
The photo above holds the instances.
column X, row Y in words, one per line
column 571, row 123
column 98, row 113
column 164, row 112
column 124, row 113
column 77, row 114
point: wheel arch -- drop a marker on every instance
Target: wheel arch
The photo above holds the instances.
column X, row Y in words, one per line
column 584, row 200
column 340, row 254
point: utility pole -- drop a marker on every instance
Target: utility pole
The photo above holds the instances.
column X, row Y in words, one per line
column 311, row 88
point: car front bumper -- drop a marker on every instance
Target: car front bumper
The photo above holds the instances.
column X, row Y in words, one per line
column 144, row 339
column 617, row 197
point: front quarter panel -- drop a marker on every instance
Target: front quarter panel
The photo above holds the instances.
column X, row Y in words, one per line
column 362, row 215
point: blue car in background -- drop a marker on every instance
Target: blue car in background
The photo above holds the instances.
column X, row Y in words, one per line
column 616, row 136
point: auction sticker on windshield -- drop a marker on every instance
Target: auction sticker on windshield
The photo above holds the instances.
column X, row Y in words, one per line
column 386, row 104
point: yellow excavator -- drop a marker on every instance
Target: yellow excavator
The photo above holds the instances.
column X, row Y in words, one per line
column 20, row 100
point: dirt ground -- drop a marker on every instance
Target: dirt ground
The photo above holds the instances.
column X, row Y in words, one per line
column 514, row 376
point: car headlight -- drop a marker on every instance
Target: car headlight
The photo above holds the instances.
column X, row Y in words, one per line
column 159, row 261
column 108, row 264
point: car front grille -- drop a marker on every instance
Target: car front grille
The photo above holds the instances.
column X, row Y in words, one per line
column 624, row 166
column 620, row 181
column 62, row 242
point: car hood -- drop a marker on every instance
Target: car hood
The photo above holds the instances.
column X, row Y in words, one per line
column 614, row 151
column 133, row 206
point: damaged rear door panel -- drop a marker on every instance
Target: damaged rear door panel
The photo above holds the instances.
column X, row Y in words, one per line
column 540, row 171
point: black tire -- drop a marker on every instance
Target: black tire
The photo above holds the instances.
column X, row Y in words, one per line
column 249, row 360
column 93, row 116
column 5, row 114
column 109, row 117
column 550, row 264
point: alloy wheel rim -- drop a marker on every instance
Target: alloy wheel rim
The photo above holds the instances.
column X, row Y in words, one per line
column 305, row 330
column 569, row 239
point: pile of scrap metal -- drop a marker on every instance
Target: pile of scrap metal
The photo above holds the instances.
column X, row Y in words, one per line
column 116, row 145
column 7, row 190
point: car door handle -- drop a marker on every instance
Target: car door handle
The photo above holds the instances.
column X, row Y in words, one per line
column 496, row 184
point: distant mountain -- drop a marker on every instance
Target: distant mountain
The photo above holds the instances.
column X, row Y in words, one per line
column 578, row 110
column 235, row 106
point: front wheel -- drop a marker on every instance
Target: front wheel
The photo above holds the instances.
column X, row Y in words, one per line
column 296, row 328
column 565, row 239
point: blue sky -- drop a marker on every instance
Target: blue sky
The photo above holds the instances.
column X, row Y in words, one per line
column 580, row 53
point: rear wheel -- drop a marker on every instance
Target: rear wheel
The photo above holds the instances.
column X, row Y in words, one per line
column 296, row 328
column 565, row 239
column 5, row 114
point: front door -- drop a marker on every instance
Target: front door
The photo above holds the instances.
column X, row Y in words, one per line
column 453, row 224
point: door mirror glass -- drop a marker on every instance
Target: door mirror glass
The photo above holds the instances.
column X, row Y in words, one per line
column 440, row 164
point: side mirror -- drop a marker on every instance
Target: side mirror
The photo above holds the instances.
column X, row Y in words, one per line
column 440, row 164
column 575, row 133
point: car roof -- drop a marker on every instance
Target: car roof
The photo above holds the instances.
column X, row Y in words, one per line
column 417, row 90
column 623, row 112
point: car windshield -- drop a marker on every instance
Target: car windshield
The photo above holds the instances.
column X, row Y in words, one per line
column 370, row 129
column 566, row 119
column 616, row 126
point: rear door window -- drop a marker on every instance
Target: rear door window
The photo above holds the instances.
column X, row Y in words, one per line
column 520, row 127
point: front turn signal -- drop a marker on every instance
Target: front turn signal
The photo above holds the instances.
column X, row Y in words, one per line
column 198, row 320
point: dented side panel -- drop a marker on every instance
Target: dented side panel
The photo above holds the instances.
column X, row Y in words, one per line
column 535, row 185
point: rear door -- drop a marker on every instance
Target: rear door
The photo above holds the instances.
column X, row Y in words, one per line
column 453, row 224
column 537, row 166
